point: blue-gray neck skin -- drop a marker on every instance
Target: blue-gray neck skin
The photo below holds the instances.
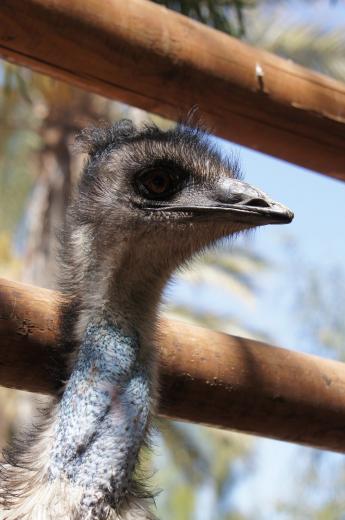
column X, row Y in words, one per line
column 103, row 415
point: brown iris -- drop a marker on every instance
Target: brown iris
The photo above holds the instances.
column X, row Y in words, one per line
column 157, row 183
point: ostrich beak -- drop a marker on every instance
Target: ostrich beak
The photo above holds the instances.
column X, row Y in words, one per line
column 232, row 201
column 245, row 204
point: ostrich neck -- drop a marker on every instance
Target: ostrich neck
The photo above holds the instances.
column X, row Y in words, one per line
column 126, row 289
column 103, row 416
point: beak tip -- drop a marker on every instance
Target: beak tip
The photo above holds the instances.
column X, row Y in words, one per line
column 290, row 215
column 284, row 215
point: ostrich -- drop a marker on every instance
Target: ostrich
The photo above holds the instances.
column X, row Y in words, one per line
column 148, row 200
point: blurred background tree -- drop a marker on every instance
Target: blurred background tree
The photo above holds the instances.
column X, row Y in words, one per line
column 226, row 15
column 284, row 28
column 319, row 311
column 38, row 169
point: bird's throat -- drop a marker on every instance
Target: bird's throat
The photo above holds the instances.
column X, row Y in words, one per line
column 103, row 414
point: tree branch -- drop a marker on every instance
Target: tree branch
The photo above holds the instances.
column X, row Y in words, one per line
column 148, row 56
column 206, row 377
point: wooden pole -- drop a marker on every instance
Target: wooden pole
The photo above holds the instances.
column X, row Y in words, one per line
column 206, row 377
column 150, row 57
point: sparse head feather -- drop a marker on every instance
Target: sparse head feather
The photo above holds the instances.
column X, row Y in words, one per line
column 117, row 154
column 95, row 140
column 183, row 138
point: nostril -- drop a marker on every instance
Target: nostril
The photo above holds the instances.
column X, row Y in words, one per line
column 258, row 203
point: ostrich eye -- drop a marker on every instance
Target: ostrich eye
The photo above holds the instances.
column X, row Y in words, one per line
column 157, row 183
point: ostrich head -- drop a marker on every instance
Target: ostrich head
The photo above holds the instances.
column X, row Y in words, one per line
column 148, row 201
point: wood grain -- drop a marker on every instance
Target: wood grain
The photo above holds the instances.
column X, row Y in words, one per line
column 206, row 377
column 155, row 59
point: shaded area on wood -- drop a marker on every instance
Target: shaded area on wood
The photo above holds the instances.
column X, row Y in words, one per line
column 206, row 377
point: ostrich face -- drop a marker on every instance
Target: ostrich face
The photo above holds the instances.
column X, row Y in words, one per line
column 179, row 195
column 166, row 191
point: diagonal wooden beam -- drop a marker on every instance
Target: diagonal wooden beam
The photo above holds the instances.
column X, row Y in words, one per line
column 206, row 377
column 155, row 59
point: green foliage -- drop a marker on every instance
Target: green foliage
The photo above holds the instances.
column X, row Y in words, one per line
column 198, row 459
column 233, row 271
column 320, row 308
column 319, row 489
column 16, row 178
column 18, row 141
column 278, row 27
column 309, row 44
column 225, row 15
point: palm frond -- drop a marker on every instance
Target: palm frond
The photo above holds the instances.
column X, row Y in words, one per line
column 312, row 45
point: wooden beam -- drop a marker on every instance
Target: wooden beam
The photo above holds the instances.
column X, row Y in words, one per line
column 155, row 59
column 206, row 377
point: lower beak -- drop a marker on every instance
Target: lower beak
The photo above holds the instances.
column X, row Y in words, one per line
column 244, row 214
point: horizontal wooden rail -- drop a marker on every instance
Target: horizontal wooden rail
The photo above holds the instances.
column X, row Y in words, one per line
column 206, row 377
column 155, row 59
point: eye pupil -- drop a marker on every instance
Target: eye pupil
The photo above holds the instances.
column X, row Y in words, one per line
column 157, row 183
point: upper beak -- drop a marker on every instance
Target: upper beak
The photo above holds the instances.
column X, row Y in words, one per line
column 247, row 204
column 237, row 202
